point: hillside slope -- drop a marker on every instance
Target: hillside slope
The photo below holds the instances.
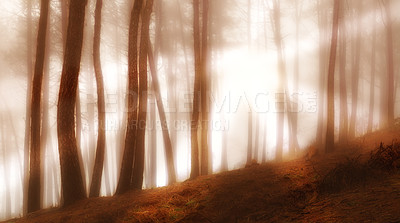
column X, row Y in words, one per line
column 273, row 192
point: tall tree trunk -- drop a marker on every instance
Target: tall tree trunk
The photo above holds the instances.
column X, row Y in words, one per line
column 71, row 177
column 280, row 96
column 372, row 80
column 45, row 134
column 34, row 194
column 4, row 144
column 28, row 105
column 133, row 90
column 390, row 63
column 256, row 137
column 167, row 140
column 293, row 141
column 264, row 145
column 101, row 138
column 249, row 137
column 344, row 117
column 250, row 114
column 355, row 73
column 196, row 91
column 322, row 23
column 331, row 79
column 204, row 89
column 138, row 168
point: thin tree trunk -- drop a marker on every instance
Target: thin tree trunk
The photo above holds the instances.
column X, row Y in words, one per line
column 34, row 194
column 101, row 138
column 7, row 204
column 331, row 79
column 256, row 137
column 322, row 23
column 343, row 123
column 28, row 106
column 138, row 168
column 196, row 92
column 167, row 140
column 355, row 74
column 250, row 114
column 249, row 137
column 390, row 63
column 133, row 90
column 204, row 89
column 372, row 81
column 71, row 177
column 275, row 19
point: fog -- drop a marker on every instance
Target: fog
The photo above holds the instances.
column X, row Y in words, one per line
column 266, row 61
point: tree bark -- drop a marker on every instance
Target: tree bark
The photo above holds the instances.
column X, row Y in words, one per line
column 390, row 63
column 71, row 177
column 101, row 138
column 164, row 127
column 331, row 78
column 138, row 168
column 372, row 80
column 196, row 92
column 34, row 194
column 133, row 90
column 28, row 106
column 204, row 89
column 355, row 74
column 343, row 122
column 322, row 23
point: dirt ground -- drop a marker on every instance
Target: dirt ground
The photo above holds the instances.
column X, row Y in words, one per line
column 272, row 192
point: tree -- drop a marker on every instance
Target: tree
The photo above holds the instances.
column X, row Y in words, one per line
column 355, row 73
column 28, row 104
column 343, row 120
column 167, row 140
column 196, row 92
column 138, row 168
column 204, row 89
column 280, row 96
column 35, row 172
column 372, row 80
column 323, row 55
column 133, row 90
column 101, row 138
column 390, row 63
column 331, row 79
column 71, row 177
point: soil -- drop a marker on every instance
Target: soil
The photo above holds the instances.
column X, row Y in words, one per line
column 271, row 192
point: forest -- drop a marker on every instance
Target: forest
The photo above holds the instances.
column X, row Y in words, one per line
column 199, row 110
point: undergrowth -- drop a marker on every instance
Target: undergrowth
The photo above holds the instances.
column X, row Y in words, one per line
column 353, row 172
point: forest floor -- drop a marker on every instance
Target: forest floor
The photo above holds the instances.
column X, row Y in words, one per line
column 300, row 190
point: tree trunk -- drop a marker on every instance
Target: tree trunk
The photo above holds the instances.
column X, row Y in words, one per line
column 390, row 63
column 196, row 92
column 138, row 168
column 249, row 137
column 101, row 138
column 7, row 204
column 355, row 74
column 344, row 117
column 204, row 89
column 167, row 140
column 133, row 90
column 331, row 79
column 34, row 194
column 322, row 23
column 28, row 106
column 372, row 80
column 280, row 96
column 71, row 177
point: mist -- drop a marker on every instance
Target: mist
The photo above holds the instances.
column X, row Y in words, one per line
column 178, row 89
